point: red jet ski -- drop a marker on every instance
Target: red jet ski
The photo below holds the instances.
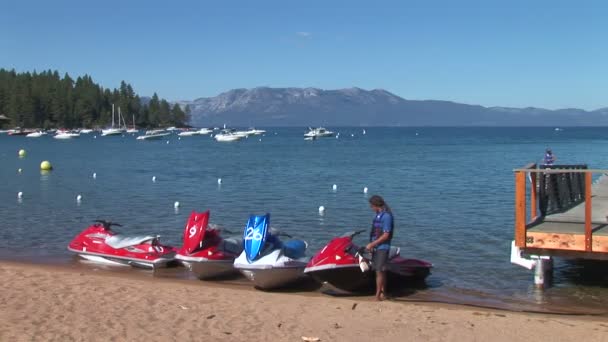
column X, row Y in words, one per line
column 99, row 243
column 205, row 252
column 339, row 263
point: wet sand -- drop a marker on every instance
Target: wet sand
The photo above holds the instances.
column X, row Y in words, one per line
column 64, row 303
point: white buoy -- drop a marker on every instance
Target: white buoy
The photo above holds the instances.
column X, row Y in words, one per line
column 260, row 139
column 167, row 142
column 94, row 137
column 365, row 190
column 334, row 187
column 78, row 198
column 321, row 210
column 219, row 181
column 176, row 205
column 94, row 175
column 179, row 138
column 19, row 170
column 19, row 194
column 416, row 133
column 352, row 134
column 153, row 178
column 364, row 132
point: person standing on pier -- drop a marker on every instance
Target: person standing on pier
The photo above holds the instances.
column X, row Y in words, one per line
column 549, row 157
column 380, row 241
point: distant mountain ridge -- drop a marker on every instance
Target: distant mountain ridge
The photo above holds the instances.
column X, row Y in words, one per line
column 265, row 106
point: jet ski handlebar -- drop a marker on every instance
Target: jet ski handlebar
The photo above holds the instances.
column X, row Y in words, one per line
column 108, row 224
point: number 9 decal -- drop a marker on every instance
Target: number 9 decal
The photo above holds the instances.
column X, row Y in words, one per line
column 192, row 231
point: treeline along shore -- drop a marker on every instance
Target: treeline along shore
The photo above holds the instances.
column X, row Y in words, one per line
column 48, row 100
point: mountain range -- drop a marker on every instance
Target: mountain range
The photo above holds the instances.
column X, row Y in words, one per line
column 265, row 106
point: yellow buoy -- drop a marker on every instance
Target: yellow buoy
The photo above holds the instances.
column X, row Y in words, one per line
column 46, row 166
column 21, row 153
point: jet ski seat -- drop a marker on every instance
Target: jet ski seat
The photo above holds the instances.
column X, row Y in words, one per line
column 121, row 241
column 393, row 252
column 232, row 245
column 294, row 249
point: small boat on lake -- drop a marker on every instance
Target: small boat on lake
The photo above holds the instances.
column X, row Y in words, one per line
column 319, row 132
column 154, row 135
column 64, row 135
column 188, row 133
column 112, row 131
column 228, row 136
column 133, row 130
column 205, row 131
column 36, row 134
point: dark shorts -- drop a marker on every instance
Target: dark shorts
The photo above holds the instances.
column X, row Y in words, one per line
column 379, row 260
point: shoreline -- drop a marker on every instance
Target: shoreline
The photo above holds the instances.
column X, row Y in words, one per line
column 56, row 302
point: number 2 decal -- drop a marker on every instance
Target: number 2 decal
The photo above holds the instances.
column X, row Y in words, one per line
column 250, row 234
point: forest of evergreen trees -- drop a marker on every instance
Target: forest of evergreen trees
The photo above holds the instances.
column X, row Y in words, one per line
column 48, row 100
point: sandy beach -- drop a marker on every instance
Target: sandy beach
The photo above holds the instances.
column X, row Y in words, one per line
column 55, row 303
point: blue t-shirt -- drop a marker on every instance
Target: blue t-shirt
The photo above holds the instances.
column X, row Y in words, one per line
column 386, row 223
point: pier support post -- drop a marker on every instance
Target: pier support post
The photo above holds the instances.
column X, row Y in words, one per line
column 543, row 271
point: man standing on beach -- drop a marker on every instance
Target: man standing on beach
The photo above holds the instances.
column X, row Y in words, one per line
column 380, row 241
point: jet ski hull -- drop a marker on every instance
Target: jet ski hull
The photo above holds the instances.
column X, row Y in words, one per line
column 126, row 261
column 210, row 269
column 273, row 278
column 102, row 245
column 351, row 279
column 338, row 264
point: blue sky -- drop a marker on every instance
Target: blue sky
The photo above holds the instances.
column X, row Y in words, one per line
column 549, row 54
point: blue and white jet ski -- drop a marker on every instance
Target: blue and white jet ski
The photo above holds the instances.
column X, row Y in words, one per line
column 266, row 260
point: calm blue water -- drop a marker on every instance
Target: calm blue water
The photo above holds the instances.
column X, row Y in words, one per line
column 451, row 190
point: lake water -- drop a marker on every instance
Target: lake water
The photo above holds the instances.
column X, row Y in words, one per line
column 451, row 189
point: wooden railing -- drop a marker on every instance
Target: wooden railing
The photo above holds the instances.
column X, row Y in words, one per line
column 569, row 176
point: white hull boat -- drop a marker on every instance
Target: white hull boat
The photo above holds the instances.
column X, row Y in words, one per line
column 273, row 270
column 188, row 133
column 112, row 131
column 228, row 137
column 35, row 135
column 205, row 131
column 153, row 136
column 318, row 133
column 65, row 136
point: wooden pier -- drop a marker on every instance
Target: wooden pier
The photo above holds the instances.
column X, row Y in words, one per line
column 564, row 214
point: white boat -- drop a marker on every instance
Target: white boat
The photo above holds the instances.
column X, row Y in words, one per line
column 242, row 134
column 63, row 135
column 85, row 131
column 205, row 131
column 36, row 134
column 172, row 128
column 154, row 135
column 227, row 136
column 133, row 130
column 253, row 131
column 113, row 130
column 319, row 132
column 188, row 133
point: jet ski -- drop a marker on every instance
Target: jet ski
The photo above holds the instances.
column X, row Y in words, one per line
column 101, row 244
column 267, row 261
column 205, row 252
column 347, row 267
